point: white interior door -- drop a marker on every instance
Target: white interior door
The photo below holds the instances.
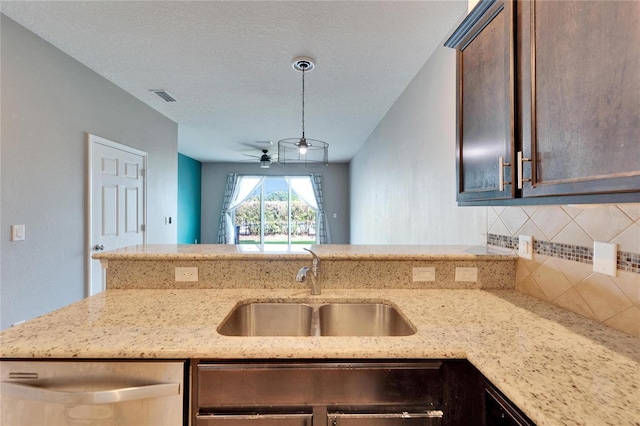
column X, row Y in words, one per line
column 116, row 202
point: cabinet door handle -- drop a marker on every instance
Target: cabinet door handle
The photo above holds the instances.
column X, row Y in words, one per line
column 501, row 166
column 521, row 161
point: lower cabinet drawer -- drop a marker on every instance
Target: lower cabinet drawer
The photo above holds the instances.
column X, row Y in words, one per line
column 254, row 419
column 429, row 418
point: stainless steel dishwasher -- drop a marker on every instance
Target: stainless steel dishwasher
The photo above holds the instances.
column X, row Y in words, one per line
column 96, row 393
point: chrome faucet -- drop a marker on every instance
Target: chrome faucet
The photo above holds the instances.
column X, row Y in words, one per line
column 303, row 273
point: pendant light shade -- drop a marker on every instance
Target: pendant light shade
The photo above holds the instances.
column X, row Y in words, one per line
column 309, row 152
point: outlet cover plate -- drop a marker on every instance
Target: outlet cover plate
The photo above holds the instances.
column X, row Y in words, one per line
column 525, row 246
column 188, row 273
column 605, row 258
column 424, row 274
column 466, row 273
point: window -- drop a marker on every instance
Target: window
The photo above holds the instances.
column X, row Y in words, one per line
column 296, row 226
column 280, row 210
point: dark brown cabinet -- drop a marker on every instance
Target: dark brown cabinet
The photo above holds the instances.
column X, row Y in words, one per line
column 499, row 411
column 548, row 102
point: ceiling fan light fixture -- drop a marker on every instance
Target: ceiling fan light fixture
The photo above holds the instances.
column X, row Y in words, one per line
column 309, row 152
column 265, row 160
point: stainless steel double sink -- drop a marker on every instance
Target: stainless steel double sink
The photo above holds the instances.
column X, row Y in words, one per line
column 315, row 319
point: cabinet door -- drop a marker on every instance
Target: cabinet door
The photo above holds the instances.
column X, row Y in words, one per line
column 580, row 96
column 486, row 106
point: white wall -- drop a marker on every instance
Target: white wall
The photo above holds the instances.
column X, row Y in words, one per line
column 403, row 179
column 335, row 185
column 49, row 103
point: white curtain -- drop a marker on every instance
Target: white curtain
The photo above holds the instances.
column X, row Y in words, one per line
column 238, row 189
column 301, row 186
column 309, row 189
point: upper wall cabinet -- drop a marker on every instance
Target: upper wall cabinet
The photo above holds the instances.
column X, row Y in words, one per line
column 548, row 102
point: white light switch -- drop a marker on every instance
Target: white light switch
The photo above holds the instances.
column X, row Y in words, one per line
column 17, row 232
column 605, row 258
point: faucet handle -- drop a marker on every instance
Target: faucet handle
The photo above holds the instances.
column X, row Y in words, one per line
column 316, row 259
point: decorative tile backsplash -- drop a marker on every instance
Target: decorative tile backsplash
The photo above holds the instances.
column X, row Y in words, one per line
column 626, row 261
column 561, row 269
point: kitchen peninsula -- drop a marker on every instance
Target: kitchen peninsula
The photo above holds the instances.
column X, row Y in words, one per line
column 557, row 367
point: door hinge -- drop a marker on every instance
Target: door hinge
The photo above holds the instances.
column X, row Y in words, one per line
column 143, row 228
column 143, row 172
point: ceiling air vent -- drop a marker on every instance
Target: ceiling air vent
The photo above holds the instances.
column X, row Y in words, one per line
column 164, row 95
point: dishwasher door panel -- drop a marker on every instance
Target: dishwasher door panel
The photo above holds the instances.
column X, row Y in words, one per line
column 95, row 393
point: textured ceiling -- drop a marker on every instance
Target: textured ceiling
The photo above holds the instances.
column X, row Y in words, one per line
column 228, row 63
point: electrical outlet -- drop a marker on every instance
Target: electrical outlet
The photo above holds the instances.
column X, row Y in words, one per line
column 525, row 246
column 424, row 274
column 188, row 273
column 466, row 273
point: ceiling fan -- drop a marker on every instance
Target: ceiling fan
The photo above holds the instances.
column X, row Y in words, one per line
column 265, row 159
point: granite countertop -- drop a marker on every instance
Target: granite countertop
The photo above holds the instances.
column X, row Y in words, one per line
column 559, row 368
column 293, row 252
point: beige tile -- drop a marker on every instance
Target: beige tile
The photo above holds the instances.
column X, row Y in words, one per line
column 530, row 228
column 604, row 298
column 521, row 271
column 550, row 279
column 574, row 271
column 514, row 218
column 530, row 210
column 572, row 301
column 551, row 220
column 575, row 235
column 498, row 228
column 492, row 216
column 627, row 321
column 603, row 223
column 629, row 283
column 572, row 210
column 632, row 210
column 629, row 239
column 498, row 209
column 530, row 287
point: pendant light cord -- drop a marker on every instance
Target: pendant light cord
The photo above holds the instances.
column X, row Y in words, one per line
column 303, row 69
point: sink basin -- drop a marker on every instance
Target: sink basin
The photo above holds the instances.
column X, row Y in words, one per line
column 362, row 319
column 315, row 319
column 268, row 319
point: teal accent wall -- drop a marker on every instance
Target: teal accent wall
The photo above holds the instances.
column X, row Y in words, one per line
column 189, row 199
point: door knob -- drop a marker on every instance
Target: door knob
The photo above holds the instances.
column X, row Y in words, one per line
column 98, row 247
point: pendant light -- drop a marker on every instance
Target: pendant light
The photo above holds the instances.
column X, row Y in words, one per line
column 309, row 152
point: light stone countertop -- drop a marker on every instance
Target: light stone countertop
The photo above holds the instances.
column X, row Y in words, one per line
column 293, row 252
column 559, row 368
